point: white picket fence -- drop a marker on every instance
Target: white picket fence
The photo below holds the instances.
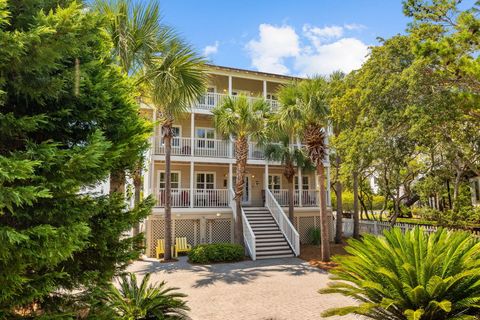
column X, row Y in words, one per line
column 377, row 227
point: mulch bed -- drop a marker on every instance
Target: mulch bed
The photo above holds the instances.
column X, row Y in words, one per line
column 312, row 254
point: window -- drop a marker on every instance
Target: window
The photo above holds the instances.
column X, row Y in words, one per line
column 211, row 96
column 205, row 180
column 271, row 96
column 175, row 178
column 305, row 183
column 274, row 182
column 205, row 138
column 177, row 132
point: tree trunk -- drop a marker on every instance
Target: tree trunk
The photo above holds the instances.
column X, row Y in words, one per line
column 449, row 195
column 289, row 174
column 325, row 245
column 117, row 181
column 241, row 154
column 456, row 190
column 338, row 192
column 167, row 140
column 137, row 183
column 356, row 220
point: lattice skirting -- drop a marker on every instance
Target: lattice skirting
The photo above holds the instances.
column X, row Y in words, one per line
column 196, row 230
column 304, row 223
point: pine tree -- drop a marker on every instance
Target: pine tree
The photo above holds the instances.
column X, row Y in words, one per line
column 67, row 119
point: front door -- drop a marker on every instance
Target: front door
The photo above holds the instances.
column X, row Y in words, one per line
column 246, row 199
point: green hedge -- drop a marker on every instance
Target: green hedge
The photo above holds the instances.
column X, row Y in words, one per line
column 216, row 252
column 347, row 197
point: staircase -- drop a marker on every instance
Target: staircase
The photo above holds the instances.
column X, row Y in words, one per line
column 270, row 241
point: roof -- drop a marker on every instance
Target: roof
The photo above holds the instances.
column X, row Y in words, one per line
column 246, row 71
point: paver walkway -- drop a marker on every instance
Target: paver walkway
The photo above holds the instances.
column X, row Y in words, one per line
column 276, row 289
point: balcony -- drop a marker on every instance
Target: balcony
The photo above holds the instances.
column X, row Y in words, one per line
column 303, row 198
column 202, row 198
column 210, row 100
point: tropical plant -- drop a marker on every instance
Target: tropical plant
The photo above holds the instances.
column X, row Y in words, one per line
column 241, row 119
column 131, row 301
column 216, row 252
column 290, row 157
column 304, row 108
column 410, row 276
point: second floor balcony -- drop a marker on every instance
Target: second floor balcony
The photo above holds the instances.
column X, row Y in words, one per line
column 212, row 99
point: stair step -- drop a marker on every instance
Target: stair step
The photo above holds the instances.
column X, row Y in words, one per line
column 274, row 252
column 273, row 249
column 269, row 239
column 276, row 256
column 272, row 243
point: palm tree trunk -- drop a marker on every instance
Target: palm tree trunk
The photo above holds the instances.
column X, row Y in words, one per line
column 117, row 181
column 356, row 220
column 241, row 154
column 137, row 183
column 325, row 245
column 291, row 214
column 168, row 192
column 338, row 192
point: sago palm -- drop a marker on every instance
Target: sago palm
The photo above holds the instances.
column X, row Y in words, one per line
column 141, row 302
column 291, row 159
column 242, row 119
column 304, row 108
column 411, row 276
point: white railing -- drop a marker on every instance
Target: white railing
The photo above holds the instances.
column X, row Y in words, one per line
column 202, row 198
column 180, row 146
column 255, row 152
column 309, row 197
column 210, row 198
column 283, row 222
column 249, row 237
column 180, row 198
column 233, row 204
column 211, row 99
column 212, row 148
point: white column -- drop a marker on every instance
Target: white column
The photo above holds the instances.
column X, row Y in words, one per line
column 192, row 168
column 230, row 176
column 192, row 133
column 300, row 187
column 230, row 85
column 152, row 162
column 329, row 199
column 265, row 180
column 265, row 89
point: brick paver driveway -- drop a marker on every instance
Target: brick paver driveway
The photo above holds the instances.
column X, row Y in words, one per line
column 276, row 289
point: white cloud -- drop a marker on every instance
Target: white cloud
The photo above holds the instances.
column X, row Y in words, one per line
column 317, row 50
column 211, row 49
column 354, row 26
column 274, row 45
column 346, row 54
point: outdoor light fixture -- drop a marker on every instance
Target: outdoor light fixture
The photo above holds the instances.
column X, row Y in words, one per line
column 218, row 214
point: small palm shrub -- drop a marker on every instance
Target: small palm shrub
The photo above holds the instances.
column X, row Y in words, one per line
column 410, row 276
column 139, row 302
column 216, row 252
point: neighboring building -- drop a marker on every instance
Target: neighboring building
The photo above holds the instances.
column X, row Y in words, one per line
column 203, row 173
column 475, row 188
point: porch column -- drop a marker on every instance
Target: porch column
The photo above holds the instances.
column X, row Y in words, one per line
column 230, row 176
column 265, row 180
column 152, row 162
column 300, row 187
column 317, row 188
column 192, row 168
column 192, row 132
column 329, row 198
column 265, row 89
column 229, row 85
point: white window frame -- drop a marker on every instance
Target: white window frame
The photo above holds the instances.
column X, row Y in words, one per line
column 271, row 96
column 205, row 173
column 206, row 140
column 179, row 136
column 280, row 180
column 172, row 171
column 296, row 182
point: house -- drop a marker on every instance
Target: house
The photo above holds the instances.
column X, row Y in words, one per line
column 203, row 177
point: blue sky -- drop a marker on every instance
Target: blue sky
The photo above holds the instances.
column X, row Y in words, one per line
column 288, row 37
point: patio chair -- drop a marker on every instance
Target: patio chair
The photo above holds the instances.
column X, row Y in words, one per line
column 161, row 248
column 181, row 245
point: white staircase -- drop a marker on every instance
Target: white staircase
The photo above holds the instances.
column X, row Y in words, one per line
column 269, row 239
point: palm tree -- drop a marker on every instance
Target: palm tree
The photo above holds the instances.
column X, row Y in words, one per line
column 141, row 302
column 415, row 275
column 241, row 119
column 166, row 70
column 290, row 157
column 304, row 108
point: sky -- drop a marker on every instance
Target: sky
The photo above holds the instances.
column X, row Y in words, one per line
column 297, row 38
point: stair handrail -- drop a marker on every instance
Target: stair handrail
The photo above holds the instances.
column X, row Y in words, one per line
column 248, row 235
column 283, row 222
